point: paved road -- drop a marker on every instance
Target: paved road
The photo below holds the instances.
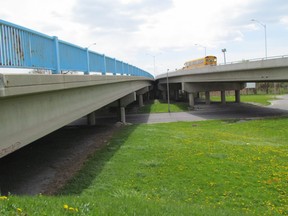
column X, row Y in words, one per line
column 282, row 103
column 215, row 111
column 204, row 112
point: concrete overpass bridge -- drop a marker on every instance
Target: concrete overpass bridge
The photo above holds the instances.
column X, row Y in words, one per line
column 34, row 105
column 223, row 78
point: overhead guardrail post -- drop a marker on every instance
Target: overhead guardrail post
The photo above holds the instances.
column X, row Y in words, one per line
column 57, row 56
column 104, row 65
column 88, row 62
column 115, row 67
column 122, row 67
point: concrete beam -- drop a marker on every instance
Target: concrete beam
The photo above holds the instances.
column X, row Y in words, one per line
column 30, row 110
column 143, row 90
column 22, row 84
column 128, row 99
column 246, row 71
column 203, row 87
column 124, row 101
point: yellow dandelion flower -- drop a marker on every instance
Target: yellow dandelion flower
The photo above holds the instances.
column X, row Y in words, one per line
column 71, row 209
column 3, row 198
column 65, row 206
column 19, row 210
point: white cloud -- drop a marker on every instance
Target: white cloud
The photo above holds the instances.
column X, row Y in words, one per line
column 116, row 15
column 128, row 29
column 284, row 20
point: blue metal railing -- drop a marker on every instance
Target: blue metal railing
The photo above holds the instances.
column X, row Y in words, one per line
column 24, row 48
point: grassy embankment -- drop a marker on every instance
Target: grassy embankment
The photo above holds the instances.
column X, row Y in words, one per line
column 162, row 107
column 199, row 168
column 258, row 99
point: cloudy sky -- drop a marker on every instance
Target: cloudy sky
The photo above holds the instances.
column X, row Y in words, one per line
column 137, row 30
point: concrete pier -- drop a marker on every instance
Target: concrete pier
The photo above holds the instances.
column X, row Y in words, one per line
column 223, row 97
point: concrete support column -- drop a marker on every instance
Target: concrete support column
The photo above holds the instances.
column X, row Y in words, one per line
column 91, row 119
column 141, row 103
column 176, row 95
column 186, row 96
column 207, row 97
column 237, row 96
column 223, row 98
column 122, row 114
column 140, row 94
column 164, row 95
column 191, row 99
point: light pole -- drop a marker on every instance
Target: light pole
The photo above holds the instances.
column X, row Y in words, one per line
column 224, row 51
column 154, row 64
column 201, row 46
column 154, row 61
column 265, row 34
column 168, row 94
column 264, row 26
column 91, row 45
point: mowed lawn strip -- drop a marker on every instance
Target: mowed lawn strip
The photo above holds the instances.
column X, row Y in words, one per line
column 159, row 106
column 262, row 99
column 185, row 168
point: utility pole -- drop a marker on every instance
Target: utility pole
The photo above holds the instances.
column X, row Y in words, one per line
column 168, row 93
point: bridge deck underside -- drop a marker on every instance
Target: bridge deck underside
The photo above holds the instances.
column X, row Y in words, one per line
column 32, row 109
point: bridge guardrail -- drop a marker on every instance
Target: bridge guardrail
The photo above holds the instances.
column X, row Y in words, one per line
column 255, row 59
column 21, row 47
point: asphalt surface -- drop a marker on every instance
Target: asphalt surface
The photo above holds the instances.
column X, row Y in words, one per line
column 281, row 103
column 204, row 112
column 215, row 111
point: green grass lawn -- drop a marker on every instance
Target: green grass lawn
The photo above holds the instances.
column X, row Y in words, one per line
column 157, row 106
column 260, row 99
column 184, row 168
column 161, row 107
